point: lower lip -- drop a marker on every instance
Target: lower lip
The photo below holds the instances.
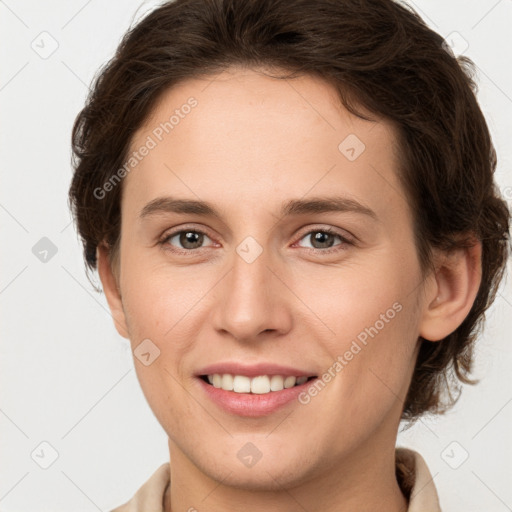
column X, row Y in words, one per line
column 251, row 404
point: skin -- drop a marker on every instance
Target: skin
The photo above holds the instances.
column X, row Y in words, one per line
column 252, row 143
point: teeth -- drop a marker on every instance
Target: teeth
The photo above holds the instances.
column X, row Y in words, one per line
column 258, row 385
column 217, row 380
column 241, row 384
column 289, row 382
column 276, row 383
column 227, row 382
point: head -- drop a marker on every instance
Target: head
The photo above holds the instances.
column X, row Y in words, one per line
column 258, row 110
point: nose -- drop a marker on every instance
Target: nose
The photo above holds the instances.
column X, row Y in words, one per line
column 252, row 301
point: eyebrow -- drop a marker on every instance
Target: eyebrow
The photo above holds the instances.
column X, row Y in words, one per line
column 162, row 205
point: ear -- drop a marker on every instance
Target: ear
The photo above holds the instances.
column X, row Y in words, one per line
column 452, row 293
column 111, row 290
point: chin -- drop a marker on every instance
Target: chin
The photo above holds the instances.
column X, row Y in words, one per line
column 269, row 471
column 266, row 477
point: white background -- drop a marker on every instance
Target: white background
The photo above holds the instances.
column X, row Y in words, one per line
column 67, row 377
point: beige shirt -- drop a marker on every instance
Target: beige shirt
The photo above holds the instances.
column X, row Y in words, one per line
column 413, row 476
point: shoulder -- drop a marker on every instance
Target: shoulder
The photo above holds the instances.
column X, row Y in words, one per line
column 149, row 497
column 415, row 480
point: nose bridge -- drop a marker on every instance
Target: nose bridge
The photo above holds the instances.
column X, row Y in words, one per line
column 250, row 301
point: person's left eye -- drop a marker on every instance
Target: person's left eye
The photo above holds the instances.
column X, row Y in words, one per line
column 324, row 238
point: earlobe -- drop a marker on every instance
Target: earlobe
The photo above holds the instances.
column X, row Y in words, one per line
column 111, row 290
column 457, row 281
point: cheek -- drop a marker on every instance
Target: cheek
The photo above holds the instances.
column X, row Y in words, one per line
column 372, row 318
column 356, row 297
column 372, row 371
column 160, row 308
column 165, row 308
column 159, row 302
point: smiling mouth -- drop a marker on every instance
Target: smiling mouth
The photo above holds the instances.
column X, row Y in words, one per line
column 259, row 385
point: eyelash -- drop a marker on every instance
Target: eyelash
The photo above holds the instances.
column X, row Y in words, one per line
column 163, row 242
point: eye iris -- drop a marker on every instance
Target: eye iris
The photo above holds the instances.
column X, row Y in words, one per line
column 320, row 236
column 190, row 237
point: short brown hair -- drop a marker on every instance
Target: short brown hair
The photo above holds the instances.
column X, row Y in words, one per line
column 379, row 55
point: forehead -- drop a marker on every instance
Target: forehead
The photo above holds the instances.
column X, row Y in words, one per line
column 243, row 132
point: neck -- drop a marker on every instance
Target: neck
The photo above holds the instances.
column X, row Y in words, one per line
column 363, row 480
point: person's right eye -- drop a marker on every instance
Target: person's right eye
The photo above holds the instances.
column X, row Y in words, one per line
column 189, row 239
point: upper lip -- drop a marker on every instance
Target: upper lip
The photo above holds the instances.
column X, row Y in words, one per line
column 253, row 370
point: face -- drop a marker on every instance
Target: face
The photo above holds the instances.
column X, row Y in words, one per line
column 265, row 234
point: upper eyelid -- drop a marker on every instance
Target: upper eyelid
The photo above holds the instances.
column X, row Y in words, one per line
column 342, row 233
